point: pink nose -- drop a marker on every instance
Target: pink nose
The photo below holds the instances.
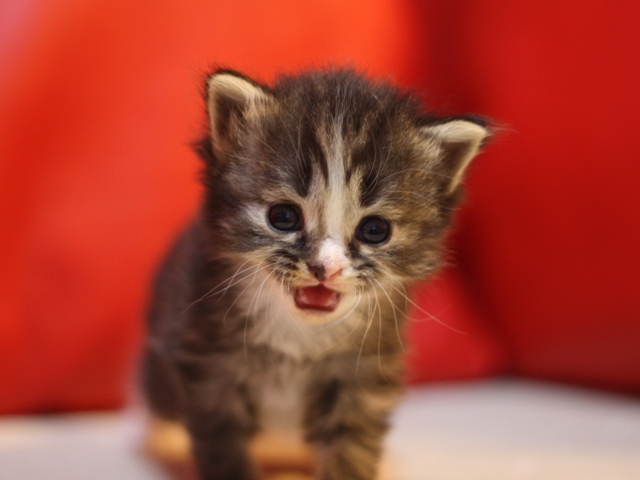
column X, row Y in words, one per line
column 324, row 273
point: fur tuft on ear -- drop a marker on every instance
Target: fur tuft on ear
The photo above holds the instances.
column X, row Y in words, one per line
column 459, row 141
column 230, row 95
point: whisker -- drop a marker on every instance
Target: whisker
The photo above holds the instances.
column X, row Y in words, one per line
column 256, row 295
column 240, row 280
column 379, row 332
column 404, row 294
column 274, row 323
column 340, row 319
column 289, row 316
column 369, row 323
column 272, row 319
column 235, row 274
column 224, row 319
column 214, row 290
column 431, row 316
column 354, row 327
column 395, row 317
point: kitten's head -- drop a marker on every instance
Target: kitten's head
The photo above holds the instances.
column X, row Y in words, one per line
column 332, row 183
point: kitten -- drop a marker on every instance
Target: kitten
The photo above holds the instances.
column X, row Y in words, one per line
column 283, row 304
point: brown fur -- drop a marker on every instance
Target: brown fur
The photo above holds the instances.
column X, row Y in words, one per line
column 228, row 350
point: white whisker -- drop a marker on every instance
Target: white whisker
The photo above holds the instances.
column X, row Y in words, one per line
column 379, row 332
column 256, row 296
column 214, row 291
column 431, row 316
column 369, row 323
column 354, row 327
column 395, row 316
column 224, row 319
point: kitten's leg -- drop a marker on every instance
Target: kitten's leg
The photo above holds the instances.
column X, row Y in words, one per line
column 218, row 415
column 160, row 383
column 165, row 438
column 347, row 420
column 220, row 421
column 220, row 451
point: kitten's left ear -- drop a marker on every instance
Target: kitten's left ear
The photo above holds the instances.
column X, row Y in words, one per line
column 459, row 140
column 230, row 98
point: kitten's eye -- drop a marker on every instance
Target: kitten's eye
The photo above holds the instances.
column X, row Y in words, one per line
column 285, row 217
column 373, row 230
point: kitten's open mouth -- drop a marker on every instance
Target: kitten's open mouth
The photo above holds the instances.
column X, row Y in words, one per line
column 316, row 298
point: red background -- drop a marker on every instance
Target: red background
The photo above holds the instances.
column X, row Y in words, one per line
column 98, row 103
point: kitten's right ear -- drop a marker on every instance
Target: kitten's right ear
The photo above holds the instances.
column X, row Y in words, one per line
column 230, row 97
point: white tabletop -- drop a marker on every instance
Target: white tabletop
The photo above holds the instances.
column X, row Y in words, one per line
column 489, row 430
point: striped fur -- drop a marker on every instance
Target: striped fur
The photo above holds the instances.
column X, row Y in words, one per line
column 228, row 344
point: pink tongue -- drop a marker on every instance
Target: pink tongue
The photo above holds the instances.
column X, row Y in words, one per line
column 318, row 297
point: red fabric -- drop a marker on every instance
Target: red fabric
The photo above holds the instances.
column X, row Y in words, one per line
column 98, row 101
column 549, row 237
column 448, row 338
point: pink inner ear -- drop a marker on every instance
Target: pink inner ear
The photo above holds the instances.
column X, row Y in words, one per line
column 317, row 298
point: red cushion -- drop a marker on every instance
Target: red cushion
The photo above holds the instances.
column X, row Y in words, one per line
column 448, row 339
column 551, row 232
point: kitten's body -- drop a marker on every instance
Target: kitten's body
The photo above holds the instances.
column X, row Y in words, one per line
column 283, row 304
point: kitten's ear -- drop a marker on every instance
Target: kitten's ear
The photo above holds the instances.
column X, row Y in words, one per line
column 458, row 140
column 230, row 97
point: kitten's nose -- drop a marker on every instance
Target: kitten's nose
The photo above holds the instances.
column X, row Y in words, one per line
column 324, row 273
column 329, row 261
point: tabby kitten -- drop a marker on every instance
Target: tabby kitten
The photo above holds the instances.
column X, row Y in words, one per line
column 283, row 304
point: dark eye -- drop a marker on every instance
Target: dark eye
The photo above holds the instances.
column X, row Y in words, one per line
column 373, row 230
column 285, row 217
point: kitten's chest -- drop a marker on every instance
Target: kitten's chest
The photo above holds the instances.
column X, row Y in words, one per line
column 288, row 353
column 281, row 396
column 281, row 404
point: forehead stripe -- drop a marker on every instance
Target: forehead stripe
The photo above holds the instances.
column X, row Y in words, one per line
column 336, row 187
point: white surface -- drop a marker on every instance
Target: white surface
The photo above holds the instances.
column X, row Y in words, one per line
column 73, row 447
column 515, row 431
column 496, row 430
